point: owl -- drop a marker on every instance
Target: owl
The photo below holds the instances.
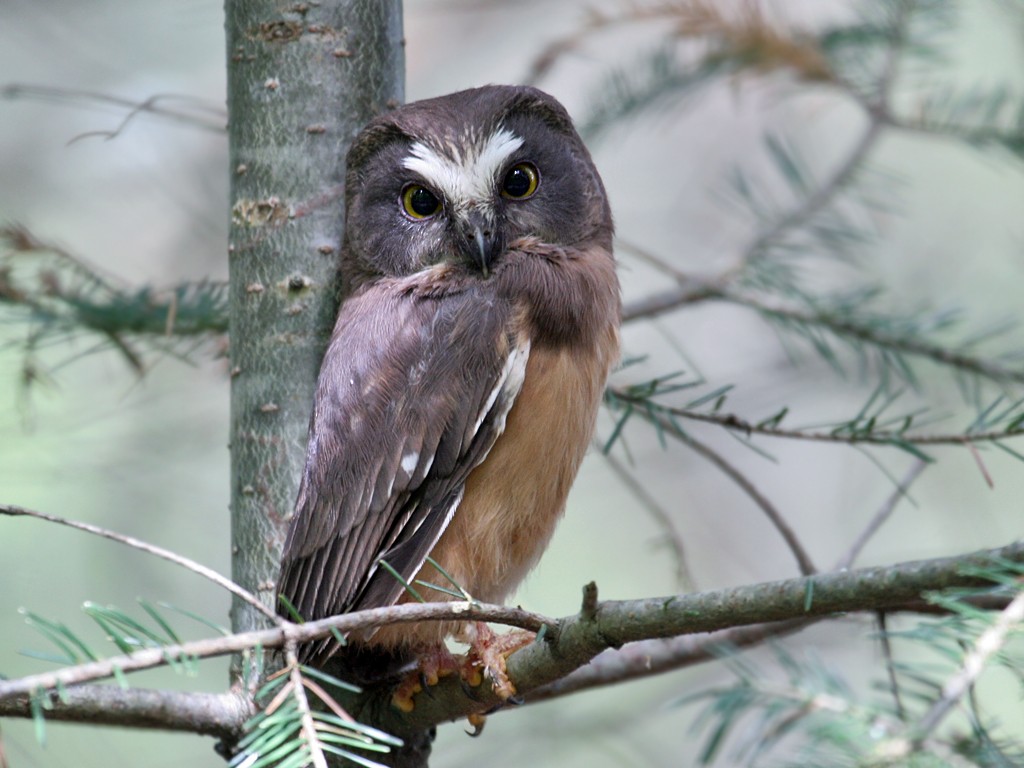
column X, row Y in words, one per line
column 461, row 383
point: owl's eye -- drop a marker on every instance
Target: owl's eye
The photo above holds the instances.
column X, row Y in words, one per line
column 520, row 181
column 419, row 202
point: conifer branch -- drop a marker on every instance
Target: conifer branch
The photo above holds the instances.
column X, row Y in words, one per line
column 573, row 641
column 903, row 335
column 142, row 546
column 274, row 637
column 989, row 643
column 576, row 640
column 187, row 110
column 207, row 714
column 849, row 433
column 65, row 297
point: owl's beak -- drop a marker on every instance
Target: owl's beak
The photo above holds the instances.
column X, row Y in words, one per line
column 480, row 240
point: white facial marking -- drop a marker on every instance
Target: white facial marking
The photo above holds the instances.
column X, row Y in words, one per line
column 469, row 180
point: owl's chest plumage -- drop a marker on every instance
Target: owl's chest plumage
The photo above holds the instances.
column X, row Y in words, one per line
column 514, row 499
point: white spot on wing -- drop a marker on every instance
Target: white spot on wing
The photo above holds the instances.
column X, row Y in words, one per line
column 471, row 177
column 409, row 462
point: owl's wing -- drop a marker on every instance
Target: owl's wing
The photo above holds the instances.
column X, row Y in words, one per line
column 413, row 392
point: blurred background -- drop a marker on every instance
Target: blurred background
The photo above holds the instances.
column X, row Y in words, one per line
column 147, row 456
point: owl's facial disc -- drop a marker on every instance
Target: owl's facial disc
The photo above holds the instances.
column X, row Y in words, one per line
column 467, row 179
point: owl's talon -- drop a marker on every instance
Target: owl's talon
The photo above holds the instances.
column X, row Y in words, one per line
column 431, row 666
column 470, row 690
column 427, row 686
column 478, row 722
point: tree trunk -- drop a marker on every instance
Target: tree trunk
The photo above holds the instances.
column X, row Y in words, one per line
column 302, row 80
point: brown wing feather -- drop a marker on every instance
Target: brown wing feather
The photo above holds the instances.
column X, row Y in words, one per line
column 413, row 392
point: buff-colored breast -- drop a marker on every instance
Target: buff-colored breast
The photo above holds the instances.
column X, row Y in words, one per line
column 515, row 498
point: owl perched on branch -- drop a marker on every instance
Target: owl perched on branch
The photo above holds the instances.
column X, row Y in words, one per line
column 461, row 384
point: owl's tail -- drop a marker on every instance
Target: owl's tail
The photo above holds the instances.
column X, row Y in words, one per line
column 364, row 665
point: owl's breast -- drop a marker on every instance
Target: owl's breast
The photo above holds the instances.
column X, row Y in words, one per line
column 571, row 294
column 515, row 498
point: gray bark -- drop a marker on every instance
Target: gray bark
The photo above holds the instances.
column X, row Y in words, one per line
column 302, row 80
column 301, row 83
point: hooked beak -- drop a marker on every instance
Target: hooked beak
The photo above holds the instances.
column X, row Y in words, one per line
column 480, row 241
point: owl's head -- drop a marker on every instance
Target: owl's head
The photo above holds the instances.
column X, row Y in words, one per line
column 458, row 178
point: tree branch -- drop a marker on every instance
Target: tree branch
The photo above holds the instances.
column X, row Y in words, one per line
column 646, row 658
column 568, row 644
column 166, row 554
column 208, row 714
column 270, row 638
column 897, row 438
column 193, row 111
column 577, row 640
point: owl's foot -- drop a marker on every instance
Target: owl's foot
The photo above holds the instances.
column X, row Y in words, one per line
column 488, row 655
column 431, row 666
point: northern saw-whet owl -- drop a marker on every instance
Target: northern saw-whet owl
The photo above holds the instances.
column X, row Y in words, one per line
column 461, row 384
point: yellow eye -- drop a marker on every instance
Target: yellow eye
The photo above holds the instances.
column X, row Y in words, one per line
column 419, row 202
column 520, row 182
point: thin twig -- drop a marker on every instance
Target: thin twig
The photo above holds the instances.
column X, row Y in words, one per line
column 881, row 516
column 980, row 462
column 184, row 562
column 214, row 118
column 692, row 291
column 665, row 301
column 890, row 666
column 273, row 637
column 646, row 658
column 662, row 517
column 871, row 335
column 803, row 559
